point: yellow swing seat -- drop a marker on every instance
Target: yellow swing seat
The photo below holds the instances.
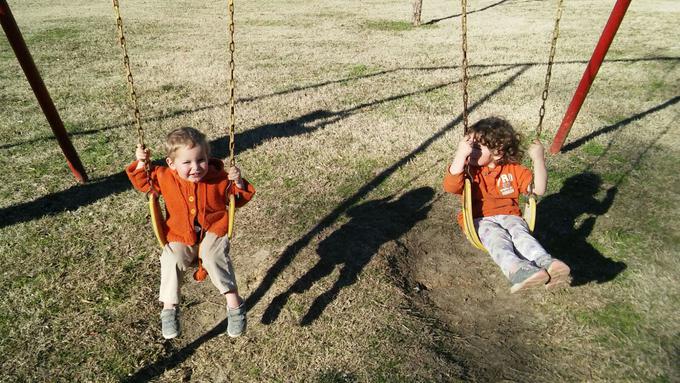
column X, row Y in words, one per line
column 157, row 218
column 529, row 215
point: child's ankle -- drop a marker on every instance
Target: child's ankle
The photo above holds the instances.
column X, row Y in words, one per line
column 544, row 261
column 233, row 300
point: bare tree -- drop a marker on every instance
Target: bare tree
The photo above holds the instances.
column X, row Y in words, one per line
column 417, row 8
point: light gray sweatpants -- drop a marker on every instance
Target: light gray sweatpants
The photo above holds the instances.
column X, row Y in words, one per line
column 510, row 244
column 177, row 257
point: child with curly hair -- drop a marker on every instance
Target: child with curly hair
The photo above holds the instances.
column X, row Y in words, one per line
column 491, row 153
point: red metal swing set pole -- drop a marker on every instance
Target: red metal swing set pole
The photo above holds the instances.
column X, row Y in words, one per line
column 588, row 77
column 15, row 39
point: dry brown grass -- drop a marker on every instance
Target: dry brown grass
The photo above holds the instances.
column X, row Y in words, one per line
column 339, row 107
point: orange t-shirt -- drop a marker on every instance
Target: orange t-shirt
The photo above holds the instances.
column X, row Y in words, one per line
column 494, row 191
column 186, row 202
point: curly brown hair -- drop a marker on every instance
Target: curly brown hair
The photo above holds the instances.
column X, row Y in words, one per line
column 500, row 137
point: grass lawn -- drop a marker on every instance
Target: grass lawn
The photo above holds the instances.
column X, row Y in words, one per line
column 349, row 257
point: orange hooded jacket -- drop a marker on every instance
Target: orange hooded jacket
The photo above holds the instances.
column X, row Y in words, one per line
column 494, row 191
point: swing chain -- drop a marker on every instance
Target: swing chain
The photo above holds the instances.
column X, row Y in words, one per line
column 464, row 66
column 126, row 62
column 232, row 85
column 551, row 57
column 131, row 90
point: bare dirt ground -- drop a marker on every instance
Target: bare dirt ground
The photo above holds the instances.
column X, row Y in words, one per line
column 497, row 334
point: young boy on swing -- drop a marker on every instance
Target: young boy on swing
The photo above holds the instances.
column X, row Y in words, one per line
column 195, row 189
column 491, row 153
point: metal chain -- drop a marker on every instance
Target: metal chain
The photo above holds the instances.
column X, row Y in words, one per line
column 232, row 86
column 131, row 89
column 548, row 74
column 130, row 81
column 464, row 66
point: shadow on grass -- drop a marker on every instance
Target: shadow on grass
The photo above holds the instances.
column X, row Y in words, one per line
column 566, row 237
column 292, row 251
column 83, row 195
column 155, row 369
column 129, row 124
column 352, row 246
column 165, row 116
column 177, row 356
column 558, row 214
column 611, row 128
column 434, row 21
column 250, row 139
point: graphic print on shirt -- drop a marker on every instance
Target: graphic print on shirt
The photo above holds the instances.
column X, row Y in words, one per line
column 504, row 184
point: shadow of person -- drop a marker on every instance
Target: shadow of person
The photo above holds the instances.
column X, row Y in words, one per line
column 353, row 245
column 559, row 230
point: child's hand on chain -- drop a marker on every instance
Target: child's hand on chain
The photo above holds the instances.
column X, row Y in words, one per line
column 234, row 175
column 536, row 151
column 465, row 146
column 142, row 155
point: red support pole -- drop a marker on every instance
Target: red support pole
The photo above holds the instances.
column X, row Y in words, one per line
column 600, row 52
column 18, row 44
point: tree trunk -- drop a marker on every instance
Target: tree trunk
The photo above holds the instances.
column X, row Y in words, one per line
column 417, row 8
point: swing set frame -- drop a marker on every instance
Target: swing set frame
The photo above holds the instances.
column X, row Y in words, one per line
column 581, row 92
column 23, row 55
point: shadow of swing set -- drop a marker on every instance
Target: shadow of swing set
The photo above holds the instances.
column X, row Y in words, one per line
column 529, row 212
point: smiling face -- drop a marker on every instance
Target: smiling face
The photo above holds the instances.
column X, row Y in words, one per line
column 190, row 163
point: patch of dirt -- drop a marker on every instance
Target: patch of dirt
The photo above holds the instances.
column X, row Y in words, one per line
column 498, row 336
column 203, row 307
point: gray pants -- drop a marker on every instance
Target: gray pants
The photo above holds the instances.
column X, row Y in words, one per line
column 177, row 257
column 512, row 247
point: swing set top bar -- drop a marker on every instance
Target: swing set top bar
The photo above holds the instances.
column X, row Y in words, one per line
column 589, row 74
column 18, row 44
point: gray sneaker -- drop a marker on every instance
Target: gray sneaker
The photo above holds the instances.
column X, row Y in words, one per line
column 236, row 321
column 170, row 323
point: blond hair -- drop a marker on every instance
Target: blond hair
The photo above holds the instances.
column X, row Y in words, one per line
column 184, row 138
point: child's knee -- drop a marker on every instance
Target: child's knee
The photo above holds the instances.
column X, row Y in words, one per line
column 208, row 259
column 213, row 259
